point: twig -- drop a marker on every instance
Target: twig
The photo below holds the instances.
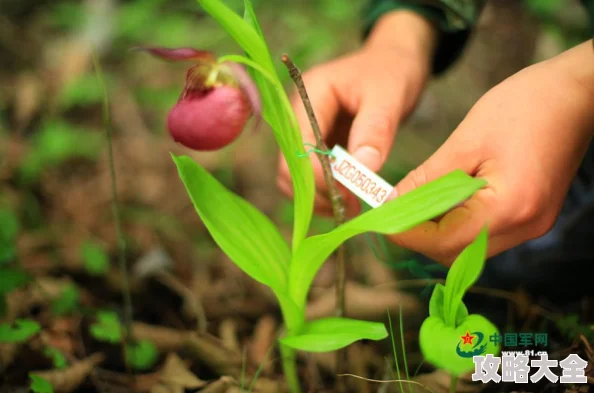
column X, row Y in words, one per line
column 128, row 335
column 493, row 292
column 335, row 197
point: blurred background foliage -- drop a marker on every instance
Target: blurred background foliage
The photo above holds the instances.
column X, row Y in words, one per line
column 56, row 220
column 53, row 159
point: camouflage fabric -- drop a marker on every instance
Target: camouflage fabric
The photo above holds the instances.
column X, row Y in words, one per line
column 455, row 20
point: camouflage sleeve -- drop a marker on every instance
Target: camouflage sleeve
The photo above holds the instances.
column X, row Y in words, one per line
column 454, row 19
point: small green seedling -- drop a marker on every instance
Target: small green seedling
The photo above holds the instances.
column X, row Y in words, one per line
column 40, row 384
column 107, row 328
column 20, row 331
column 67, row 301
column 57, row 357
column 450, row 337
column 141, row 355
column 95, row 259
column 255, row 244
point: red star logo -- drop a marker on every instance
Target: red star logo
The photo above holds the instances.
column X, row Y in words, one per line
column 467, row 338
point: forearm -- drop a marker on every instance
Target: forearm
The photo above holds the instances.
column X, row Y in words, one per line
column 407, row 31
column 576, row 67
column 453, row 23
column 578, row 64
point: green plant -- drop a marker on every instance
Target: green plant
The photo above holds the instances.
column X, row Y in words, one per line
column 254, row 243
column 67, row 301
column 141, row 355
column 12, row 277
column 58, row 359
column 9, row 228
column 40, row 384
column 95, row 259
column 21, row 330
column 55, row 143
column 441, row 333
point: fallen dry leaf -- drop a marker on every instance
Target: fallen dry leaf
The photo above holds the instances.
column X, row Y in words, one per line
column 175, row 377
column 221, row 385
column 68, row 379
column 262, row 341
column 211, row 351
column 365, row 302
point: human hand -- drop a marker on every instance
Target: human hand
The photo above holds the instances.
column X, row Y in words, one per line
column 526, row 137
column 359, row 100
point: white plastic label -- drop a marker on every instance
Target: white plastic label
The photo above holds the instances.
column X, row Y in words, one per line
column 359, row 179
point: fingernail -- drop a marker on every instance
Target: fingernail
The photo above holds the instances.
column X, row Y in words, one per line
column 369, row 156
column 392, row 195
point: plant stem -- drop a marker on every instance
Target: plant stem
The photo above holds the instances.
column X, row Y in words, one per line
column 289, row 361
column 128, row 336
column 335, row 197
column 453, row 384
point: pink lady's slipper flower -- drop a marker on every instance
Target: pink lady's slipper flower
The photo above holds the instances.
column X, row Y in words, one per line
column 216, row 102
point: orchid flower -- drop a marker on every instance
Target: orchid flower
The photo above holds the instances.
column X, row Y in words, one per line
column 216, row 102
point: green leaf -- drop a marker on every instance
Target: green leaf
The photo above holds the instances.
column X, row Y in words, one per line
column 20, row 331
column 465, row 270
column 55, row 143
column 58, row 359
column 437, row 308
column 142, row 356
column 239, row 30
column 107, row 328
column 7, row 252
column 11, row 278
column 545, row 8
column 330, row 334
column 396, row 216
column 276, row 111
column 80, row 91
column 247, row 236
column 436, row 302
column 9, row 225
column 250, row 17
column 443, row 347
column 461, row 314
column 67, row 301
column 3, row 305
column 95, row 259
column 40, row 385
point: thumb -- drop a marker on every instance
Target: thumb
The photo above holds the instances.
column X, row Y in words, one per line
column 448, row 157
column 443, row 238
column 374, row 127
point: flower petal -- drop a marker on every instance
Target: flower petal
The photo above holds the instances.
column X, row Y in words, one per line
column 178, row 54
column 249, row 88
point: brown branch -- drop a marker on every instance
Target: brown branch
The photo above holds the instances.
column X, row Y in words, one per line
column 335, row 196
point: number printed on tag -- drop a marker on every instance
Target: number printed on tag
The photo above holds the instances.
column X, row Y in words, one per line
column 359, row 179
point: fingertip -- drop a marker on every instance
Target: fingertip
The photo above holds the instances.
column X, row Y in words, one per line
column 370, row 157
column 393, row 194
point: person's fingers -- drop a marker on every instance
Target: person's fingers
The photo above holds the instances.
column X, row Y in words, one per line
column 325, row 98
column 453, row 154
column 374, row 127
column 443, row 238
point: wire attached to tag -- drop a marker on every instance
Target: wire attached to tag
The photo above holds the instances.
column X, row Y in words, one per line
column 314, row 149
